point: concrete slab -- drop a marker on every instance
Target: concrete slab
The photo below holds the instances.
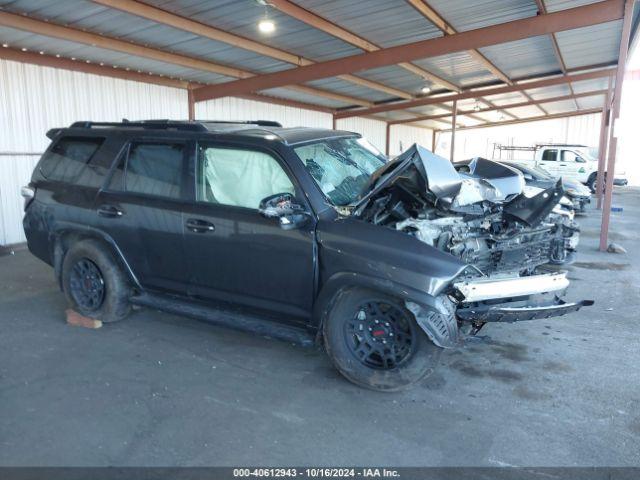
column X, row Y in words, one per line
column 158, row 389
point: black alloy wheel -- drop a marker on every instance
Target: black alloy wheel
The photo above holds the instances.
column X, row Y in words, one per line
column 380, row 335
column 87, row 284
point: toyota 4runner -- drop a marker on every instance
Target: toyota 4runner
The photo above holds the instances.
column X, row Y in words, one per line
column 304, row 234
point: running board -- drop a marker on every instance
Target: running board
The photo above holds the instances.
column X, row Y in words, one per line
column 226, row 318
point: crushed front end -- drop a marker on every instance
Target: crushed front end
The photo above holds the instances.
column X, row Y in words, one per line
column 508, row 235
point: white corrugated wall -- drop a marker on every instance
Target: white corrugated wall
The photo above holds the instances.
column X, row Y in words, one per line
column 240, row 109
column 373, row 130
column 34, row 99
column 403, row 136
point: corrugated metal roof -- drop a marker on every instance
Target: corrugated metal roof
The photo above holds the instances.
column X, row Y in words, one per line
column 303, row 97
column 465, row 15
column 523, row 58
column 383, row 22
column 395, row 77
column 343, row 87
column 556, row 5
column 590, row 45
column 595, row 101
column 548, row 92
column 242, row 17
column 506, row 98
column 560, row 107
column 590, row 85
column 459, row 68
column 52, row 46
column 523, row 112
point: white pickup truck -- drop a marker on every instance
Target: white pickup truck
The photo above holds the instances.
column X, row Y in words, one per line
column 578, row 162
column 571, row 161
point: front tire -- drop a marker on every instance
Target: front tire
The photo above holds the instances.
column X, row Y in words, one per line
column 375, row 342
column 93, row 282
column 591, row 182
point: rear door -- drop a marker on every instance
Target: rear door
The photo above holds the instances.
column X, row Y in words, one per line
column 548, row 161
column 141, row 209
column 234, row 253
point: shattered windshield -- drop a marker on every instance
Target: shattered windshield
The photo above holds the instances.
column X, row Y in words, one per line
column 341, row 166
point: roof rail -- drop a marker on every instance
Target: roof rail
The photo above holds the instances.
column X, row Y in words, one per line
column 148, row 124
column 195, row 125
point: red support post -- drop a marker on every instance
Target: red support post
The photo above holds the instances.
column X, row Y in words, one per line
column 615, row 112
column 602, row 154
column 387, row 140
column 453, row 130
column 192, row 104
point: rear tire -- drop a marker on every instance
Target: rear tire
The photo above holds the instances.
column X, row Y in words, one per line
column 375, row 342
column 94, row 283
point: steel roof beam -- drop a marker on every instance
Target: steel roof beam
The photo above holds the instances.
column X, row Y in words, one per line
column 583, row 16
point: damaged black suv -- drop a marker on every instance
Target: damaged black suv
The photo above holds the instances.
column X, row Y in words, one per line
column 298, row 233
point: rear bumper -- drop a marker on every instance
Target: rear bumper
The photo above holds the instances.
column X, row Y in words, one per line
column 620, row 181
column 518, row 311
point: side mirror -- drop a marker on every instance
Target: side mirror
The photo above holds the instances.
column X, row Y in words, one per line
column 528, row 176
column 284, row 207
column 580, row 160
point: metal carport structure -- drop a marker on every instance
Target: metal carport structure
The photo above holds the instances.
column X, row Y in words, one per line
column 436, row 64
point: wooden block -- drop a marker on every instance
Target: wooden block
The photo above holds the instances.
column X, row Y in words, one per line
column 74, row 318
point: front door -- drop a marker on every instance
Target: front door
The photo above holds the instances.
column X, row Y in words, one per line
column 141, row 209
column 570, row 164
column 236, row 255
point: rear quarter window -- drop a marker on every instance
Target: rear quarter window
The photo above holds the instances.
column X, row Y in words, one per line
column 68, row 160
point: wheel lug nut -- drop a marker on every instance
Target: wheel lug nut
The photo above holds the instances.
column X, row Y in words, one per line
column 377, row 321
column 391, row 334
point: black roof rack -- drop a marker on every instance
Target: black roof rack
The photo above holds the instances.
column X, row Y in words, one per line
column 193, row 126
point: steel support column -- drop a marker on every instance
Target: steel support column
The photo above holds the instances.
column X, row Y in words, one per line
column 433, row 140
column 454, row 119
column 192, row 104
column 602, row 153
column 615, row 112
column 387, row 139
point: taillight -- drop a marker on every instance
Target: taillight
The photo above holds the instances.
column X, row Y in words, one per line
column 28, row 193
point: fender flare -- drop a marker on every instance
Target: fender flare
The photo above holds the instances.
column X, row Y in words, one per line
column 343, row 281
column 86, row 232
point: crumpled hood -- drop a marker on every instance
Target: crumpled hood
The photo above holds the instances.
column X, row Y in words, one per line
column 435, row 180
column 486, row 180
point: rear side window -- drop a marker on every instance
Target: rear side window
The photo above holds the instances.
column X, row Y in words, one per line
column 68, row 159
column 549, row 155
column 151, row 169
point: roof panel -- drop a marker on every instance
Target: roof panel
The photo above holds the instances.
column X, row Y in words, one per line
column 560, row 107
column 556, row 5
column 590, row 45
column 303, row 97
column 595, row 101
column 465, row 15
column 523, row 58
column 347, row 88
column 524, row 112
column 506, row 98
column 459, row 68
column 396, row 77
column 385, row 23
column 242, row 17
column 549, row 92
column 590, row 85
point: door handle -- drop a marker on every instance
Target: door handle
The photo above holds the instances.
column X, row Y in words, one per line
column 109, row 211
column 563, row 164
column 199, row 226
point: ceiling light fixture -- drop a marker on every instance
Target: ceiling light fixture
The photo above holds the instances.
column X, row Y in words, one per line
column 426, row 89
column 477, row 106
column 5, row 45
column 265, row 25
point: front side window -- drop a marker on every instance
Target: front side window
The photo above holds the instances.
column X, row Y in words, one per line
column 549, row 155
column 569, row 156
column 239, row 177
column 151, row 169
column 68, row 158
column 341, row 167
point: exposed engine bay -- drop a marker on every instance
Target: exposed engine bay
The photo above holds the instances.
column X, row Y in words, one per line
column 487, row 217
